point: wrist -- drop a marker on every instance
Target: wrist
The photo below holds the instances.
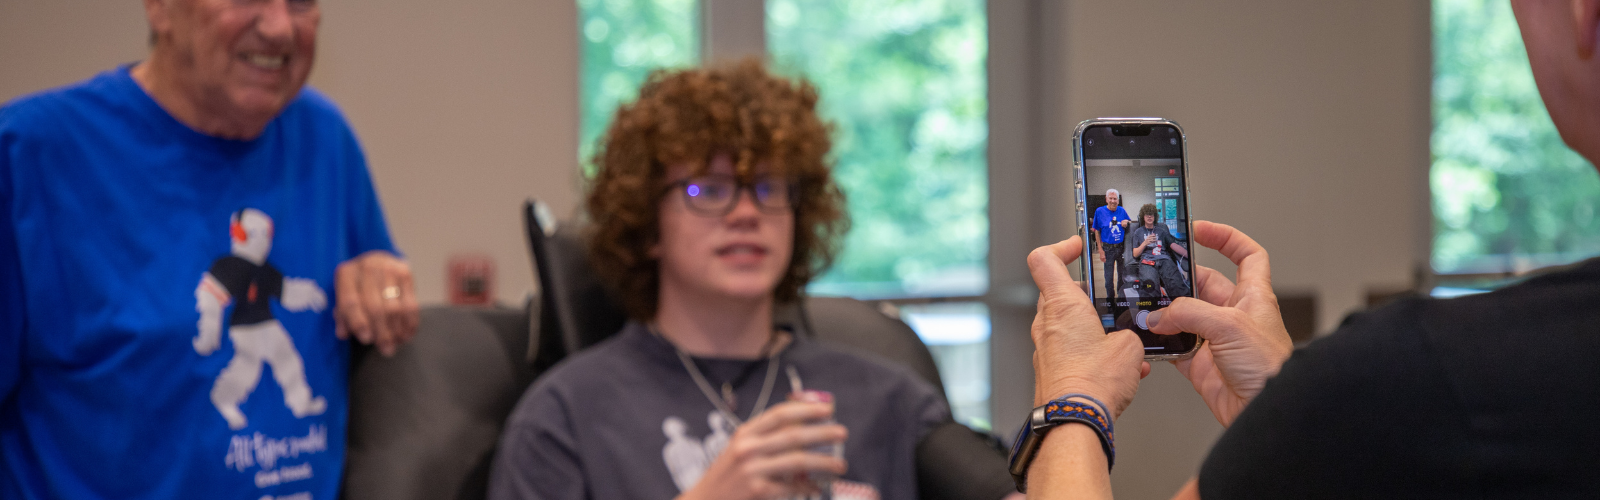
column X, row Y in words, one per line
column 1080, row 412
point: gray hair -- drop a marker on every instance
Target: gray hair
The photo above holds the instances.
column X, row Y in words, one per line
column 1113, row 190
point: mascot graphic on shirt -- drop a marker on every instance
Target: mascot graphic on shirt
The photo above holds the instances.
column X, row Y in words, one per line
column 245, row 280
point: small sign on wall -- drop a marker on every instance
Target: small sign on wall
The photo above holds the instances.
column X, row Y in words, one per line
column 471, row 279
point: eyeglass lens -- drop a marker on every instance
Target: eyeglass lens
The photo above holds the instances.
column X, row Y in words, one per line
column 718, row 193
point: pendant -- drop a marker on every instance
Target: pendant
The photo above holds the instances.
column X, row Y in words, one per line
column 727, row 396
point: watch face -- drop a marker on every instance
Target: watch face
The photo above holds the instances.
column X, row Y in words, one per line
column 1026, row 446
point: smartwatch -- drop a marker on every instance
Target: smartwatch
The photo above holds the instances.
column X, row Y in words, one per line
column 1060, row 411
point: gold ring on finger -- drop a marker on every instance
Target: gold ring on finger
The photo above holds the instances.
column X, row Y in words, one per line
column 391, row 292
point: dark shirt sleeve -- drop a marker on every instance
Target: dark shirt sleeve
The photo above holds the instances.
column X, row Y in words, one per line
column 1366, row 412
column 538, row 456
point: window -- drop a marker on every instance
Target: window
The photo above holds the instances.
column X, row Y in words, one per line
column 905, row 84
column 1508, row 195
column 622, row 41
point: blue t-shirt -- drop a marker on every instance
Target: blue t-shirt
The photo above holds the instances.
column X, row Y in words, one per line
column 112, row 215
column 1106, row 222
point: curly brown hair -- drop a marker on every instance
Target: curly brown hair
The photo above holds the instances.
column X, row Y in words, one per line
column 687, row 116
column 1149, row 209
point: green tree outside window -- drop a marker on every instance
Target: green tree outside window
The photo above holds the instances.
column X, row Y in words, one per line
column 904, row 81
column 622, row 41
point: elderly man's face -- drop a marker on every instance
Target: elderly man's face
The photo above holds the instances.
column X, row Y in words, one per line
column 239, row 56
column 1112, row 200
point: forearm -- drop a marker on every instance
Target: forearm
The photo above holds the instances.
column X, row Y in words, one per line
column 1070, row 464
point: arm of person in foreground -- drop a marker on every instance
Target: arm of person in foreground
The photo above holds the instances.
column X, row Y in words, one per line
column 1073, row 354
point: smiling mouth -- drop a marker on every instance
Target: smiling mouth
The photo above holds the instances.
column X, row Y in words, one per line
column 265, row 61
column 739, row 250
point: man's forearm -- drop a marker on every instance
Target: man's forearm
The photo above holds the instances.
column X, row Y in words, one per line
column 1070, row 464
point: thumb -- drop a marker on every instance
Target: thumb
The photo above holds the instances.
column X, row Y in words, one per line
column 1214, row 323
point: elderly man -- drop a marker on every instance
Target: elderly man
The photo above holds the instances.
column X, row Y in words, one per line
column 1492, row 395
column 168, row 231
column 1110, row 228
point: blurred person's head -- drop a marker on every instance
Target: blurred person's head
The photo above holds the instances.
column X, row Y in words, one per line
column 1561, row 41
column 1113, row 198
column 1147, row 214
column 228, row 67
column 714, row 182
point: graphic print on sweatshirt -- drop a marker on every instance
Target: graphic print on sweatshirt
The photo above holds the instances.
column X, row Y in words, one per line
column 688, row 457
column 245, row 280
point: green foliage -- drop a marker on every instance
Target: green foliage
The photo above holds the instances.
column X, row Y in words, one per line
column 904, row 82
column 1507, row 192
column 622, row 41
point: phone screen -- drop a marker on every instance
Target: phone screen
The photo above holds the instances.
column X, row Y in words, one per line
column 1137, row 207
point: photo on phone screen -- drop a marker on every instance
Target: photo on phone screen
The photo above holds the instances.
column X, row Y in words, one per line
column 1137, row 227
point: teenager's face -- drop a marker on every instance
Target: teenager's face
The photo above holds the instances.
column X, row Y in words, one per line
column 1149, row 220
column 740, row 255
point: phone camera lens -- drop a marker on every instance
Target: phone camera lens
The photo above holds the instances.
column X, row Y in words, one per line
column 1174, row 142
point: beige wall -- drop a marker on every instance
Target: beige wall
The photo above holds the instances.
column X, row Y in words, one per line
column 1308, row 124
column 465, row 109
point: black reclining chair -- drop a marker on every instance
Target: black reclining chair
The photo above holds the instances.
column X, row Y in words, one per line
column 424, row 424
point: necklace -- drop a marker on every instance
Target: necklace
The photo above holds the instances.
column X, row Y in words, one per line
column 724, row 404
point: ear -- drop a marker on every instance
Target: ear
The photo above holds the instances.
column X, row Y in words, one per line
column 1586, row 14
column 159, row 14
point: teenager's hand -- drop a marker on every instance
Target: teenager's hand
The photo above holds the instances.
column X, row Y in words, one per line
column 769, row 456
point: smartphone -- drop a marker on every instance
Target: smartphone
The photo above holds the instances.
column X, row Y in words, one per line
column 1133, row 215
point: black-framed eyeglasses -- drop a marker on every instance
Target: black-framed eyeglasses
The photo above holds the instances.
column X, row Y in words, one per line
column 715, row 195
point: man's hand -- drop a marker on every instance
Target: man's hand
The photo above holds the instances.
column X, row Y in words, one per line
column 769, row 457
column 376, row 303
column 1246, row 342
column 1102, row 254
column 1072, row 352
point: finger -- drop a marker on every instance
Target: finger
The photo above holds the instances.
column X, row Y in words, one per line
column 1144, row 369
column 1237, row 247
column 793, row 438
column 797, row 462
column 1212, row 286
column 410, row 312
column 349, row 316
column 1048, row 264
column 394, row 309
column 372, row 301
column 1210, row 322
column 786, row 414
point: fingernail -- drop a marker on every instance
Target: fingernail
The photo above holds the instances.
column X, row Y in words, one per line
column 1154, row 318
